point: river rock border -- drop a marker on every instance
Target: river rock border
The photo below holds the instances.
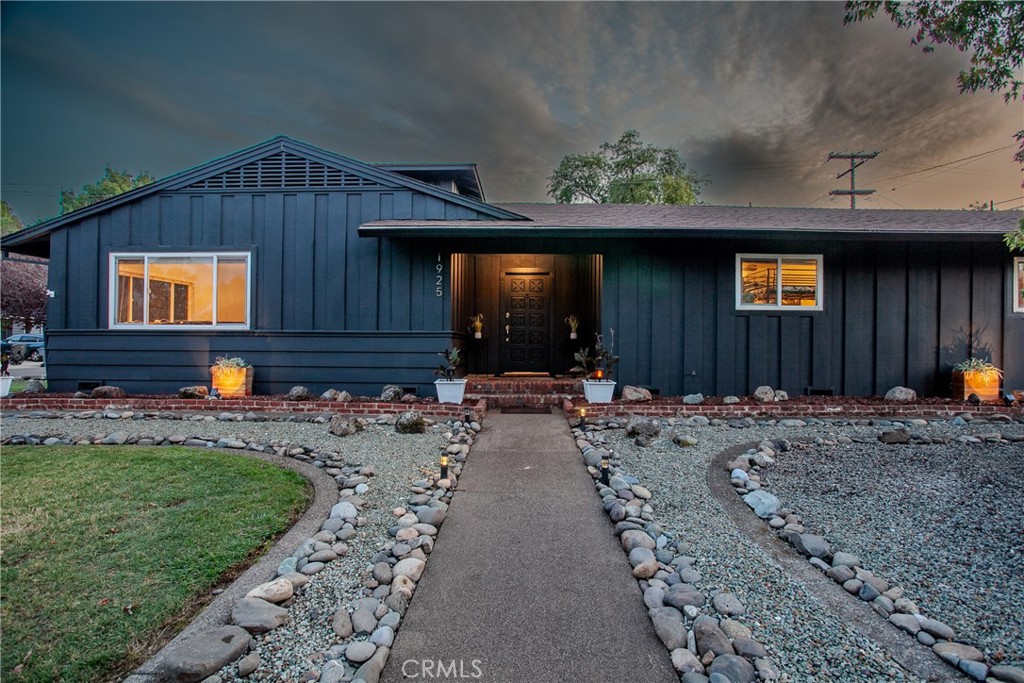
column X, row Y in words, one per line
column 367, row 625
column 847, row 569
column 699, row 643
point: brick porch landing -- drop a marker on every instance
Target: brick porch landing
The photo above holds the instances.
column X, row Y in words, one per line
column 510, row 391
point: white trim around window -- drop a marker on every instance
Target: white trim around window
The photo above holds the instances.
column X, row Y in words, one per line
column 779, row 282
column 182, row 290
column 1017, row 284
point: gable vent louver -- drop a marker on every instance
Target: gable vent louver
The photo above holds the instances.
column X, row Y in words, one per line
column 283, row 170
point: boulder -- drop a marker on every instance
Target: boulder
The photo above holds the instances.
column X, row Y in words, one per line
column 278, row 590
column 693, row 399
column 764, row 394
column 344, row 426
column 198, row 391
column 198, row 658
column 812, row 546
column 734, row 668
column 634, row 538
column 342, row 623
column 335, row 395
column 299, row 393
column 257, row 616
column 639, row 425
column 710, row 638
column 781, row 395
column 685, row 661
column 391, row 393
column 763, row 504
column 894, row 436
column 410, row 422
column 98, row 392
column 635, row 394
column 668, row 624
column 901, row 394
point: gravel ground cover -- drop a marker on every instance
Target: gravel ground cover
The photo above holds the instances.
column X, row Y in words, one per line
column 944, row 521
column 290, row 652
column 806, row 641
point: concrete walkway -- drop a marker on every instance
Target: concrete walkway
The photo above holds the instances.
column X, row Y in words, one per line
column 527, row 581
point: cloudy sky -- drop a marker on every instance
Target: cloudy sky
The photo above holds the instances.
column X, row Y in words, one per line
column 756, row 94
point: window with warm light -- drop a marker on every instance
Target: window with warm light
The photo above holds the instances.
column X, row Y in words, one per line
column 1018, row 284
column 184, row 290
column 778, row 282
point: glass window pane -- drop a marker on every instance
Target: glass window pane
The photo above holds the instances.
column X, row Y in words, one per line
column 130, row 273
column 181, row 290
column 231, row 290
column 759, row 279
column 799, row 282
column 1019, row 289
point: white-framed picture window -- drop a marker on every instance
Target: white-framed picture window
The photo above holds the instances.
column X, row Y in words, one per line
column 1018, row 284
column 187, row 290
column 778, row 282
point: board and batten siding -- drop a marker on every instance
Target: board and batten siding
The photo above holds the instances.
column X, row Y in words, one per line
column 311, row 273
column 895, row 313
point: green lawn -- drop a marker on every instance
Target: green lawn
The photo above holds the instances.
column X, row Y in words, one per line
column 108, row 551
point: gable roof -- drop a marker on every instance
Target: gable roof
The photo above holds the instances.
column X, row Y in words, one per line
column 465, row 177
column 644, row 220
column 283, row 158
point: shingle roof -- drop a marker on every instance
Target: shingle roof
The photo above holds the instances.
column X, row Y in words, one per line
column 619, row 218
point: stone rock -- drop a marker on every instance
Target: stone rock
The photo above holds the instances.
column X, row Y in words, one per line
column 681, row 596
column 840, row 574
column 410, row 422
column 384, row 635
column 333, row 672
column 867, row 592
column 781, row 395
column 727, row 604
column 257, row 616
column 937, row 629
column 370, row 671
column 976, row 670
column 684, row 440
column 391, row 393
column 841, row 559
column 1011, row 674
column 730, row 400
column 278, row 590
column 901, row 394
column 335, row 395
column 668, row 624
column 634, row 538
column 198, row 658
column 734, row 668
column 685, row 661
column 812, row 545
column 344, row 426
column 763, row 504
column 654, row 597
column 894, row 437
column 100, row 392
column 360, row 651
column 410, row 567
column 953, row 652
column 710, row 637
column 299, row 393
column 734, row 629
column 693, row 399
column 248, row 664
column 433, row 516
column 764, row 394
column 905, row 622
column 363, row 622
column 639, row 425
column 198, row 391
column 382, row 573
column 635, row 394
column 342, row 623
column 748, row 648
column 344, row 510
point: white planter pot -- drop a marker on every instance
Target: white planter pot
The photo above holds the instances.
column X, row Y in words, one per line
column 450, row 391
column 572, row 335
column 598, row 390
column 5, row 385
column 478, row 335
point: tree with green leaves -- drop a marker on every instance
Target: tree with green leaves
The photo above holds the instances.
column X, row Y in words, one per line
column 110, row 185
column 626, row 172
column 9, row 221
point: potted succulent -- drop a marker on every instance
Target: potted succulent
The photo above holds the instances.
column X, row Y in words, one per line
column 574, row 323
column 597, row 370
column 976, row 376
column 476, row 325
column 232, row 377
column 449, row 389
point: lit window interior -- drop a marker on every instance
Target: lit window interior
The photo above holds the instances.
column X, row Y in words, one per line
column 182, row 290
column 762, row 285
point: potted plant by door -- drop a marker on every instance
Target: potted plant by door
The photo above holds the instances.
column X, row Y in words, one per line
column 232, row 377
column 976, row 376
column 598, row 386
column 449, row 389
column 574, row 323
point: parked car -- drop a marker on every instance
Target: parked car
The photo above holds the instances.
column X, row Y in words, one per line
column 21, row 347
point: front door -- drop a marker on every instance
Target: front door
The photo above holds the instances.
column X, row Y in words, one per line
column 526, row 316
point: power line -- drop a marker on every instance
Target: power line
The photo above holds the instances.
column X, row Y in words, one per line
column 930, row 168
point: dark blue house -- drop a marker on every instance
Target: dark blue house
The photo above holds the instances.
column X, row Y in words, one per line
column 328, row 272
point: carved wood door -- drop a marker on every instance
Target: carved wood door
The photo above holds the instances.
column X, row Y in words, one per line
column 526, row 322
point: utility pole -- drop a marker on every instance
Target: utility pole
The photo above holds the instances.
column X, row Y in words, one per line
column 856, row 159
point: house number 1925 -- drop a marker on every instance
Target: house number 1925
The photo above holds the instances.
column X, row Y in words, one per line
column 440, row 277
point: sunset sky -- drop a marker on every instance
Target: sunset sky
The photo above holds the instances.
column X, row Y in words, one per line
column 756, row 94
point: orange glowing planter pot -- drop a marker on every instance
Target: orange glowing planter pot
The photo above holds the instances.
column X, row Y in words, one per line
column 232, row 382
column 984, row 383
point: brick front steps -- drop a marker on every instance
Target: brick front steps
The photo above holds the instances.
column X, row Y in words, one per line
column 508, row 392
